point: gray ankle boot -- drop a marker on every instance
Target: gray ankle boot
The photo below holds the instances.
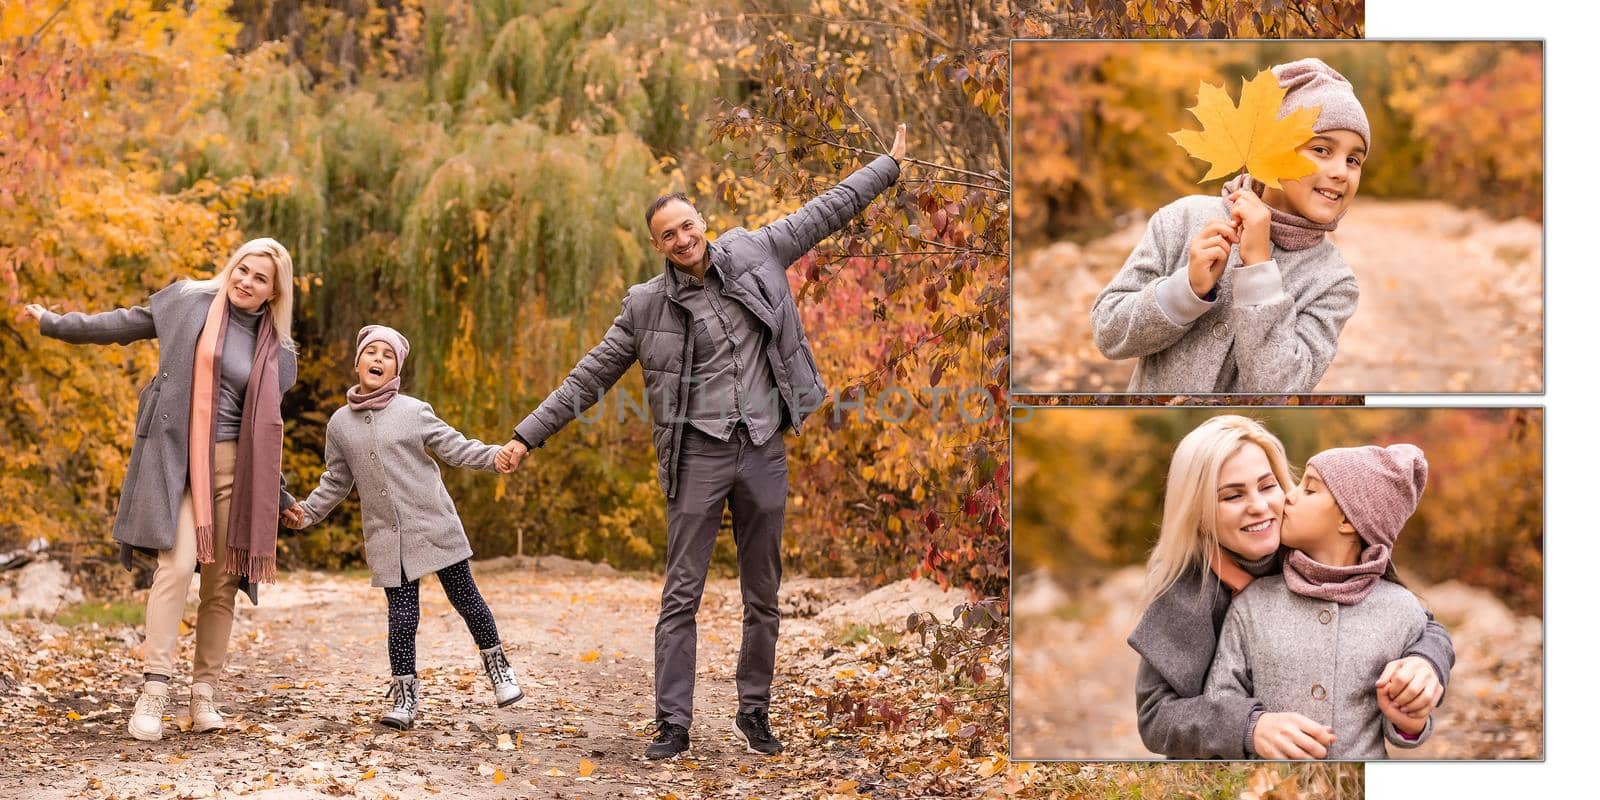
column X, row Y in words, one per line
column 403, row 691
column 506, row 690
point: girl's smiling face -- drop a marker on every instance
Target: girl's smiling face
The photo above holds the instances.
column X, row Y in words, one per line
column 250, row 282
column 376, row 366
column 1325, row 194
column 1312, row 518
column 1249, row 503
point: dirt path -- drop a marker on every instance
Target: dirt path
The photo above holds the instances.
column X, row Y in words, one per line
column 304, row 689
column 1451, row 301
column 1073, row 674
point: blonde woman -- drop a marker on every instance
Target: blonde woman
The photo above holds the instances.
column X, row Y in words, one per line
column 209, row 426
column 1221, row 527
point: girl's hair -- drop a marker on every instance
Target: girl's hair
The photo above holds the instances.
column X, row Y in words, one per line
column 1189, row 509
column 281, row 306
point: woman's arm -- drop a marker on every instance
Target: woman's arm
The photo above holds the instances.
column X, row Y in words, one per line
column 1149, row 304
column 122, row 326
column 452, row 447
column 1205, row 726
column 1281, row 346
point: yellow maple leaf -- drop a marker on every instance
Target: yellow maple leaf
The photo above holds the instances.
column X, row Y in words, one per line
column 585, row 767
column 1250, row 135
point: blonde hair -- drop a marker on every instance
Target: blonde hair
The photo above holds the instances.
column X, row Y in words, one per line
column 281, row 306
column 1189, row 509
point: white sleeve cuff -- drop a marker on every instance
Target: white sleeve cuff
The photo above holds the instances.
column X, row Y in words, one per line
column 1178, row 302
column 1257, row 284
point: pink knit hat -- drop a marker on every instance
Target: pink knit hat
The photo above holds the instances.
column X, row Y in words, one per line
column 387, row 335
column 1377, row 488
column 1310, row 82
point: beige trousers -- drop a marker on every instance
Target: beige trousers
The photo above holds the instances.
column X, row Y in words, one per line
column 175, row 569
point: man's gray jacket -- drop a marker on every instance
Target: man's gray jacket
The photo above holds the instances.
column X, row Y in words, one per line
column 653, row 327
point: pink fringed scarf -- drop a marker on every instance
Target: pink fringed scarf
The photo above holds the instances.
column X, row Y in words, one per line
column 1289, row 231
column 253, row 518
column 374, row 400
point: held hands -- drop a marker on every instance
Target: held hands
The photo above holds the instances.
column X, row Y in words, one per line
column 293, row 517
column 1408, row 692
column 510, row 456
column 1253, row 220
column 897, row 151
column 1285, row 734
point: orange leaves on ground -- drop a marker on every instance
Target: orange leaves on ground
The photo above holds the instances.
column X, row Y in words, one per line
column 590, row 657
column 585, row 768
column 1250, row 135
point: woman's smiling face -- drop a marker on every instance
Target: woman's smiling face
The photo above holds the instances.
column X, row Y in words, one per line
column 1249, row 503
column 250, row 282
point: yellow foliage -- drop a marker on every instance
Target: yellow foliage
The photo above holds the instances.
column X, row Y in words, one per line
column 1250, row 135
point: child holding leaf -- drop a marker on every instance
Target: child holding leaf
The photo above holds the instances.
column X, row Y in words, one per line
column 379, row 444
column 1243, row 293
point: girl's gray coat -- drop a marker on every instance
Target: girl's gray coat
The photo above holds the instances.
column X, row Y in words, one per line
column 407, row 516
column 158, row 469
column 1319, row 658
column 1273, row 327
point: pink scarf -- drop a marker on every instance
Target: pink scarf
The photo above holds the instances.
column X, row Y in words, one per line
column 1289, row 231
column 253, row 518
column 376, row 399
column 1343, row 585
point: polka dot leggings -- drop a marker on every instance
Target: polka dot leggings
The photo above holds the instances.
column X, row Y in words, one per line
column 404, row 614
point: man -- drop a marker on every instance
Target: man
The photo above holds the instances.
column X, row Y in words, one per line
column 727, row 367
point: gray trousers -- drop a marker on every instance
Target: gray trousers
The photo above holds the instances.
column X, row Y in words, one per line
column 754, row 481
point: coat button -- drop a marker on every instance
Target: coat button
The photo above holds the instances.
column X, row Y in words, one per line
column 163, row 375
column 1324, row 616
column 163, row 417
column 1220, row 331
column 385, row 492
column 372, row 455
column 1317, row 692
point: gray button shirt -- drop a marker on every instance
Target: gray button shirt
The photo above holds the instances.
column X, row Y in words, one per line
column 732, row 381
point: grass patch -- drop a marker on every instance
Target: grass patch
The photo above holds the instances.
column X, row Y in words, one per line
column 106, row 612
column 856, row 633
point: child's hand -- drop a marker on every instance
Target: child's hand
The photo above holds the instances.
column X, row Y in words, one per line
column 1254, row 221
column 1208, row 255
column 510, row 457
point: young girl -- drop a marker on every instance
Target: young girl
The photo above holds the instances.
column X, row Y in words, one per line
column 1244, row 293
column 379, row 444
column 1315, row 639
column 1220, row 530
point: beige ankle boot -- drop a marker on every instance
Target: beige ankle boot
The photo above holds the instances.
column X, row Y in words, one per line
column 203, row 709
column 145, row 724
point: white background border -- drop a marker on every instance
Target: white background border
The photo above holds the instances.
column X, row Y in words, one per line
column 1571, row 549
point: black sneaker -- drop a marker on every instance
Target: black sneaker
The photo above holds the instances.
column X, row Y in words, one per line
column 753, row 729
column 671, row 739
